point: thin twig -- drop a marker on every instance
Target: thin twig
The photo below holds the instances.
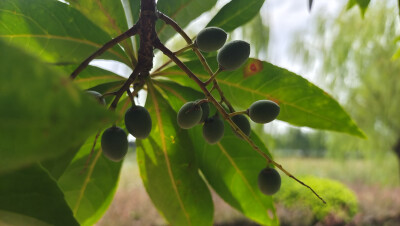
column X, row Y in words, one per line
column 131, row 96
column 170, row 61
column 108, row 94
column 212, row 77
column 202, row 101
column 183, row 49
column 126, row 86
column 237, row 113
column 203, row 61
column 132, row 31
column 175, row 26
column 162, row 66
column 221, row 94
column 91, row 152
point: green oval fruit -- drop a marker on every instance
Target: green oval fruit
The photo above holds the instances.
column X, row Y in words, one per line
column 243, row 123
column 269, row 181
column 97, row 96
column 233, row 55
column 211, row 39
column 138, row 122
column 189, row 115
column 206, row 111
column 114, row 143
column 213, row 130
column 263, row 111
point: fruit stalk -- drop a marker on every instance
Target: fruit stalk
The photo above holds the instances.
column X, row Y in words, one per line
column 237, row 113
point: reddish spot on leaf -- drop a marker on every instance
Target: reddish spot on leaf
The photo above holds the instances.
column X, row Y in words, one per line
column 252, row 68
column 274, row 100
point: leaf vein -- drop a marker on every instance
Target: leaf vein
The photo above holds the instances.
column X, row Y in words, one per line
column 164, row 147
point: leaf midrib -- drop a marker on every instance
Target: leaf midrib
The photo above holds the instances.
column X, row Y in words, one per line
column 109, row 18
column 94, row 78
column 86, row 182
column 164, row 147
column 81, row 41
column 233, row 163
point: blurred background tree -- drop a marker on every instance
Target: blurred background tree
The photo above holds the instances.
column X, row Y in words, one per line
column 352, row 57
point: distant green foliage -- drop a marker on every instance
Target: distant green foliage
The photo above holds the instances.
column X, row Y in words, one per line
column 341, row 201
column 296, row 142
column 356, row 65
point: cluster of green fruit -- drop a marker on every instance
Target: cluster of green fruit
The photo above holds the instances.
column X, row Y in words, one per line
column 262, row 111
column 114, row 141
column 197, row 112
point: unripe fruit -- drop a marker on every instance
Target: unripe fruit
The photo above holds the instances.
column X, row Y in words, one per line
column 269, row 181
column 213, row 130
column 243, row 123
column 263, row 111
column 97, row 96
column 138, row 122
column 206, row 111
column 189, row 115
column 114, row 143
column 211, row 39
column 233, row 55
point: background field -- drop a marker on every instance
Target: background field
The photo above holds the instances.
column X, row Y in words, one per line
column 375, row 184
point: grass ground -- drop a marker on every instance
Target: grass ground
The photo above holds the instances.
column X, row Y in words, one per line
column 375, row 184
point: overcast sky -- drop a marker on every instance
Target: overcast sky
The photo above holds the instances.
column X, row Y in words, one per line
column 286, row 18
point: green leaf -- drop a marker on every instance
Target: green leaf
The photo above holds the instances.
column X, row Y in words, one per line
column 351, row 3
column 301, row 102
column 90, row 182
column 235, row 14
column 57, row 166
column 54, row 31
column 43, row 115
column 89, row 189
column 10, row 218
column 169, row 170
column 176, row 94
column 396, row 55
column 92, row 76
column 362, row 4
column 231, row 166
column 32, row 192
column 107, row 14
column 133, row 17
column 182, row 11
column 398, row 6
column 135, row 9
